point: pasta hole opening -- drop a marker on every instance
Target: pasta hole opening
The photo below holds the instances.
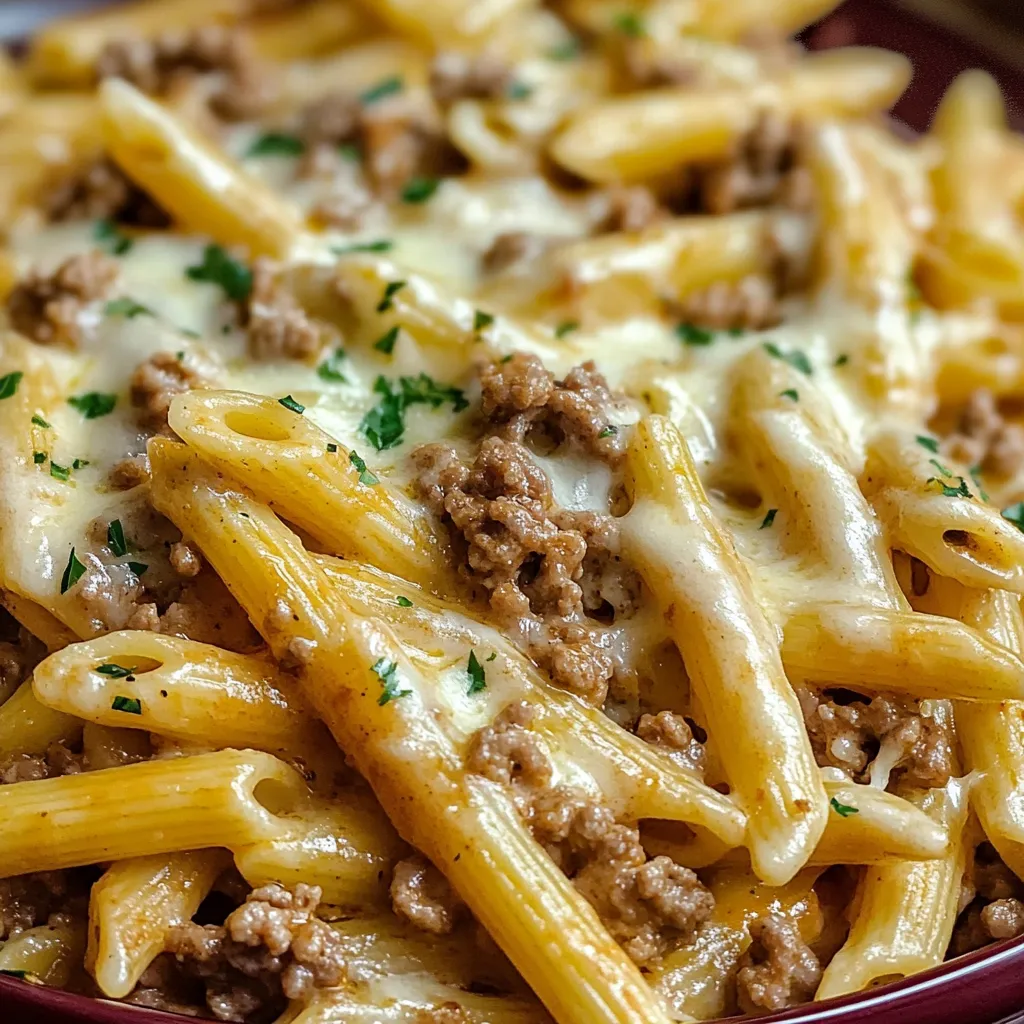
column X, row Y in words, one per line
column 960, row 539
column 275, row 796
column 257, row 426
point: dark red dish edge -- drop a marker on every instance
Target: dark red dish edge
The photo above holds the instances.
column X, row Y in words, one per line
column 981, row 988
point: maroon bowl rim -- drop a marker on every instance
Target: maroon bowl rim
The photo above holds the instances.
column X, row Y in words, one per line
column 998, row 965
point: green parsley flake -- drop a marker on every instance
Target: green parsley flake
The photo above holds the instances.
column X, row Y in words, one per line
column 387, row 672
column 795, row 358
column 140, row 567
column 219, row 268
column 482, row 320
column 40, row 422
column 975, row 472
column 960, row 491
column 566, row 327
column 330, row 368
column 72, row 573
column 387, row 87
column 768, row 519
column 494, row 654
column 39, row 458
column 127, row 307
column 609, row 431
column 93, row 404
column 59, row 472
column 843, row 810
column 130, row 705
column 691, row 334
column 391, row 289
column 790, row 393
column 930, row 443
column 79, row 463
column 629, row 23
column 403, row 602
column 350, row 151
column 115, row 538
column 519, row 91
column 107, row 233
column 475, row 671
column 569, row 50
column 841, row 360
column 331, row 446
column 289, row 403
column 9, row 383
column 940, row 467
column 276, row 144
column 384, row 424
column 386, row 343
column 1015, row 514
column 380, row 245
column 365, row 475
column 115, row 671
column 419, row 190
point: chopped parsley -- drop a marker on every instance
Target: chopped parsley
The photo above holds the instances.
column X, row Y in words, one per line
column 629, row 23
column 419, row 190
column 475, row 671
column 115, row 671
column 79, row 463
column 797, row 359
column 130, row 705
column 384, row 424
column 380, row 245
column 39, row 458
column 930, row 443
column 350, row 151
column 391, row 289
column 566, row 327
column 494, row 654
column 569, row 50
column 107, row 233
column 330, row 368
column 40, row 422
column 72, row 573
column 387, row 672
column 365, row 475
column 1015, row 514
column 940, row 467
column 960, row 491
column 276, row 144
column 127, row 307
column 403, row 602
column 609, row 431
column 691, row 334
column 59, row 472
column 482, row 320
column 386, row 342
column 219, row 268
column 519, row 91
column 331, row 446
column 93, row 404
column 843, row 810
column 790, row 393
column 115, row 538
column 9, row 383
column 841, row 360
column 769, row 518
column 387, row 87
column 975, row 472
column 140, row 567
column 289, row 403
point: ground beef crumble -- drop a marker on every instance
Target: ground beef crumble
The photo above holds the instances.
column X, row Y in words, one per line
column 460, row 76
column 48, row 308
column 272, row 947
column 644, row 904
column 159, row 379
column 778, row 970
column 750, row 304
column 992, row 904
column 673, row 733
column 101, row 190
column 27, row 901
column 984, row 438
column 276, row 325
column 422, row 895
column 849, row 735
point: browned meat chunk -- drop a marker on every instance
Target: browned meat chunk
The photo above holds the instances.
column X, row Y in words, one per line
column 984, row 438
column 514, row 249
column 672, row 732
column 778, row 970
column 101, row 190
column 628, row 208
column 460, row 76
column 128, row 473
column 28, row 900
column 48, row 307
column 277, row 326
column 850, row 735
column 159, row 379
column 750, row 304
column 422, row 895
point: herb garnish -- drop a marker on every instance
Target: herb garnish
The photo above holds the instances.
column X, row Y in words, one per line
column 40, row 422
column 384, row 424
column 843, row 810
column 140, row 567
column 841, row 360
column 289, row 403
column 1015, row 514
column 115, row 538
column 387, row 87
column 130, row 705
column 107, row 233
column 9, row 383
column 691, row 334
column 790, row 393
column 39, row 458
column 403, row 602
column 629, row 23
column 482, row 320
column 419, row 190
column 127, row 307
column 93, row 404
column 366, row 476
column 930, row 443
column 386, row 342
column 569, row 50
column 219, row 268
column 566, row 327
column 276, row 144
column 609, row 431
column 115, row 671
column 795, row 358
column 387, row 672
column 380, row 245
column 519, row 91
column 331, row 446
column 387, row 299
column 475, row 671
column 72, row 573
column 330, row 368
column 769, row 518
column 59, row 472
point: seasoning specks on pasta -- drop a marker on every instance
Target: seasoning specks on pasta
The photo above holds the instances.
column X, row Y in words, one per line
column 475, row 671
column 9, row 384
column 129, row 705
column 73, row 572
column 387, row 672
column 843, row 810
